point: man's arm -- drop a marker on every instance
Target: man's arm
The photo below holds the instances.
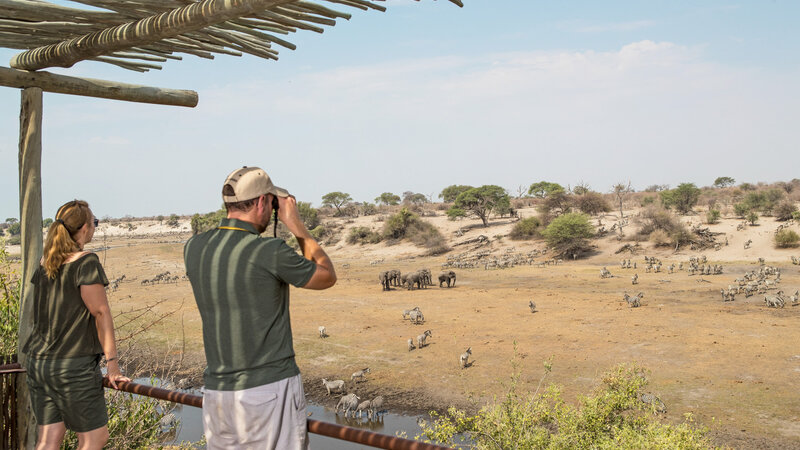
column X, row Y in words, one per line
column 325, row 275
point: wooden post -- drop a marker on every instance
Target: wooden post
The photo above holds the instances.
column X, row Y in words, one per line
column 30, row 208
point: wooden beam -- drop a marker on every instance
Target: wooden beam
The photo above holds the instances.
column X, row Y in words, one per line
column 142, row 32
column 89, row 87
column 30, row 214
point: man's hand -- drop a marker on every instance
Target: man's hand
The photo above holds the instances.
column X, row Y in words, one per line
column 290, row 216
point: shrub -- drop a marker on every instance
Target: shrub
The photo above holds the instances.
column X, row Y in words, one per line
column 569, row 234
column 205, row 222
column 14, row 240
column 648, row 200
column 741, row 209
column 407, row 225
column 591, row 203
column 752, row 217
column 9, row 305
column 683, row 197
column 655, row 218
column 712, row 216
column 363, row 235
column 14, row 229
column 785, row 210
column 309, row 215
column 527, row 228
column 613, row 416
column 173, row 221
column 796, row 216
column 786, row 238
column 660, row 238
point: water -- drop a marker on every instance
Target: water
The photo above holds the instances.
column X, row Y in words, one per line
column 191, row 424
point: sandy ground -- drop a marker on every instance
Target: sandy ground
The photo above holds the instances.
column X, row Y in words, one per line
column 734, row 365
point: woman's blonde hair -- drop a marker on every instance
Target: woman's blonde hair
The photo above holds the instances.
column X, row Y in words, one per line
column 70, row 217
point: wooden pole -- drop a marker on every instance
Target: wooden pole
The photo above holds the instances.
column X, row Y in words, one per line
column 192, row 17
column 30, row 201
column 89, row 87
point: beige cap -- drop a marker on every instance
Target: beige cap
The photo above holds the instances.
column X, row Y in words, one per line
column 247, row 183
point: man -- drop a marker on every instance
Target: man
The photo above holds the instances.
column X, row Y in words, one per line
column 253, row 392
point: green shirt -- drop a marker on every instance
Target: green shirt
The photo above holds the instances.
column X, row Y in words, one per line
column 241, row 283
column 63, row 327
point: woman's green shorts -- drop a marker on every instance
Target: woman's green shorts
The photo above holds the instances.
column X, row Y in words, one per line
column 68, row 390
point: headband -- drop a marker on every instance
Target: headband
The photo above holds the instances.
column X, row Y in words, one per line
column 65, row 225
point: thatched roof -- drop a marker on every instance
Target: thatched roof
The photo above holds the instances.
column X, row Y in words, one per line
column 140, row 34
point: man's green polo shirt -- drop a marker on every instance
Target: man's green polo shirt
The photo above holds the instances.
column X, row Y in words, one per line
column 241, row 285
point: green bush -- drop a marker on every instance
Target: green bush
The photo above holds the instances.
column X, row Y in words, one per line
column 407, row 225
column 309, row 215
column 648, row 200
column 205, row 222
column 785, row 211
column 569, row 234
column 368, row 209
column 712, row 216
column 741, row 209
column 173, row 221
column 752, row 217
column 14, row 240
column 363, row 235
column 796, row 216
column 591, row 203
column 10, row 289
column 655, row 219
column 14, row 229
column 527, row 228
column 455, row 213
column 613, row 416
column 786, row 238
column 763, row 201
column 683, row 198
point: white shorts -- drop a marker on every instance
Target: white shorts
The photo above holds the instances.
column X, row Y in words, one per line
column 272, row 416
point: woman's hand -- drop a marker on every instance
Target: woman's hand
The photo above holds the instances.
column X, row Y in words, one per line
column 114, row 374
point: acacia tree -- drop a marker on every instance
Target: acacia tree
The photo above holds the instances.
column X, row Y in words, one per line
column 387, row 198
column 414, row 198
column 337, row 200
column 482, row 200
column 450, row 193
column 683, row 197
column 544, row 188
column 621, row 190
column 722, row 182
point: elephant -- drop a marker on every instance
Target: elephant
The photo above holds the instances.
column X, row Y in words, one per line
column 414, row 278
column 384, row 279
column 427, row 277
column 447, row 277
column 394, row 277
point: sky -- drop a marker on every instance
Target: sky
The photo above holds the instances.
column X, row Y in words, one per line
column 426, row 94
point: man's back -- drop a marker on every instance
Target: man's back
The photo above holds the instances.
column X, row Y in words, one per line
column 241, row 285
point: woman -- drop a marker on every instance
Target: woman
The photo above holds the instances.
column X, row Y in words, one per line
column 72, row 328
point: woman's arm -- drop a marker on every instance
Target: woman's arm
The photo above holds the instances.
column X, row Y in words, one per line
column 94, row 297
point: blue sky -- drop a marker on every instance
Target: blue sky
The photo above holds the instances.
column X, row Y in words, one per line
column 427, row 94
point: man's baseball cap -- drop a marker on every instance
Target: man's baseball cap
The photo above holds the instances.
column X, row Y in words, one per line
column 247, row 183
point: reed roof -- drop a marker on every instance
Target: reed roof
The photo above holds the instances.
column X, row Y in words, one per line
column 140, row 34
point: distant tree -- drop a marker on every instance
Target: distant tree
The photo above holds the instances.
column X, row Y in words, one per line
column 481, row 201
column 591, row 203
column 521, row 191
column 683, row 198
column 503, row 206
column 621, row 190
column 11, row 220
column 543, row 188
column 450, row 193
column 387, row 198
column 160, row 219
column 337, row 200
column 581, row 188
column 456, row 213
column 712, row 216
column 368, row 209
column 14, row 228
column 741, row 209
column 752, row 217
column 656, row 188
column 569, row 234
column 308, row 214
column 722, row 182
column 747, row 187
column 414, row 198
column 556, row 202
column 785, row 211
column 47, row 222
column 204, row 222
column 763, row 201
column 173, row 221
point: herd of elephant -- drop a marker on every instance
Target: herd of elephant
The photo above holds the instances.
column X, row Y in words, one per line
column 421, row 278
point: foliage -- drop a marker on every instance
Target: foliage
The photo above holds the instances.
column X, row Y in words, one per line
column 656, row 188
column 763, row 201
column 10, row 289
column 407, row 225
column 481, row 200
column 14, row 228
column 682, row 198
column 648, row 200
column 160, row 219
column 309, row 215
column 387, row 198
column 47, row 222
column 456, row 213
column 591, row 203
column 741, row 210
column 173, row 221
column 527, row 228
column 786, row 238
column 752, row 217
column 368, row 209
column 785, row 211
column 503, row 206
column 450, row 193
column 544, row 188
column 660, row 238
column 337, row 200
column 796, row 216
column 722, row 182
column 555, row 203
column 654, row 219
column 363, row 235
column 712, row 216
column 414, row 198
column 569, row 234
column 14, row 240
column 747, row 187
column 621, row 190
column 205, row 222
column 581, row 189
column 613, row 416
